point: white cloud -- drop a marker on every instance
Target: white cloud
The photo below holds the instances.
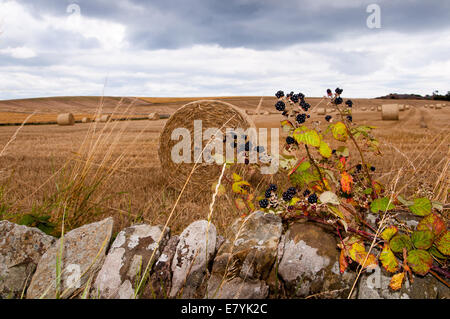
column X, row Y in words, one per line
column 19, row 52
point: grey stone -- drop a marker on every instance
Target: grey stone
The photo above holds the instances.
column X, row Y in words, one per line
column 21, row 248
column 83, row 254
column 190, row 264
column 246, row 257
column 134, row 249
column 310, row 263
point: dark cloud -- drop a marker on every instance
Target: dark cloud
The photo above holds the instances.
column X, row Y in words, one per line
column 259, row 24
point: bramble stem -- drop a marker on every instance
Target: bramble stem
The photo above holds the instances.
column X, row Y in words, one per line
column 315, row 165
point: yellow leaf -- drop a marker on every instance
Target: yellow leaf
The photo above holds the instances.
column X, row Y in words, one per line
column 236, row 177
column 388, row 259
column 339, row 131
column 241, row 187
column 389, row 232
column 358, row 253
column 325, row 150
column 346, row 182
column 397, row 281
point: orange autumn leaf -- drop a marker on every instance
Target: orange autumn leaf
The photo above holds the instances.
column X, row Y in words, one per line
column 343, row 264
column 397, row 281
column 346, row 182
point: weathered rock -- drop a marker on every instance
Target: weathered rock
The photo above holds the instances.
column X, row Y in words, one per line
column 82, row 256
column 310, row 263
column 375, row 285
column 246, row 257
column 160, row 281
column 127, row 260
column 21, row 248
column 190, row 264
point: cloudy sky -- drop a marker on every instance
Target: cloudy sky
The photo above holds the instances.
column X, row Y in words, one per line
column 222, row 47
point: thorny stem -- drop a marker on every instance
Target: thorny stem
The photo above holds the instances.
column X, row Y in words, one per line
column 315, row 165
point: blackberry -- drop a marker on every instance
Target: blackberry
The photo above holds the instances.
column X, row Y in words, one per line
column 338, row 101
column 287, row 196
column 279, row 94
column 312, row 199
column 280, row 106
column 290, row 140
column 301, row 96
column 328, row 118
column 292, row 191
column 333, row 152
column 294, row 98
column 246, row 161
column 285, row 113
column 349, row 103
column 273, row 187
column 329, row 93
column 372, row 168
column 308, row 116
column 358, row 167
column 263, row 203
column 306, row 192
column 301, row 118
column 339, row 91
column 268, row 193
column 349, row 118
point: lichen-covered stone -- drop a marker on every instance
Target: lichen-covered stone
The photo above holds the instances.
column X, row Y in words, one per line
column 310, row 263
column 160, row 281
column 194, row 251
column 237, row 288
column 21, row 248
column 249, row 251
column 83, row 254
column 134, row 248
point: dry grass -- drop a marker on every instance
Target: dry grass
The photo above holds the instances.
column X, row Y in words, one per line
column 49, row 165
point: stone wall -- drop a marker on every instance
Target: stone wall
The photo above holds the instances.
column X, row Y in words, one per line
column 256, row 258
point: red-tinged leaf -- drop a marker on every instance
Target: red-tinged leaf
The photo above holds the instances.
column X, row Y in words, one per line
column 397, row 281
column 420, row 261
column 422, row 239
column 389, row 232
column 358, row 253
column 443, row 243
column 346, row 182
column 433, row 223
column 399, row 242
column 343, row 264
column 388, row 260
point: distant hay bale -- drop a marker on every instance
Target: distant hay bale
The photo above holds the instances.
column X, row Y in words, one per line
column 103, row 118
column 321, row 111
column 438, row 106
column 213, row 115
column 86, row 120
column 373, row 109
column 266, row 113
column 379, row 108
column 153, row 116
column 431, row 106
column 363, row 109
column 389, row 112
column 401, row 107
column 407, row 107
column 65, row 119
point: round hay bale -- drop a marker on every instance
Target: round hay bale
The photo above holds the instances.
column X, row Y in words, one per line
column 266, row 113
column 86, row 120
column 407, row 107
column 65, row 119
column 438, row 106
column 321, row 111
column 401, row 107
column 373, row 109
column 389, row 112
column 363, row 109
column 213, row 115
column 379, row 108
column 153, row 116
column 431, row 106
column 103, row 118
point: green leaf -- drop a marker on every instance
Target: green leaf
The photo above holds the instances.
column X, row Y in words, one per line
column 309, row 137
column 420, row 261
column 342, row 151
column 381, row 204
column 399, row 242
column 422, row 239
column 432, row 223
column 436, row 253
column 339, row 131
column 443, row 243
column 304, row 166
column 421, row 207
column 404, row 201
column 368, row 191
column 27, row 220
column 325, row 150
column 303, row 179
column 388, row 260
column 389, row 232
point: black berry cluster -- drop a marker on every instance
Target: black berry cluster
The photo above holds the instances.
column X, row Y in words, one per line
column 338, row 91
column 280, row 106
column 290, row 140
column 328, row 118
column 301, row 118
column 279, row 94
column 263, row 203
column 312, row 199
column 349, row 118
column 349, row 103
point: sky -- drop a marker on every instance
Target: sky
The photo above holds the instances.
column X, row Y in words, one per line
column 222, row 48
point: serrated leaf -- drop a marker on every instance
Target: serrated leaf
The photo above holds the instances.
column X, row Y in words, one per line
column 436, row 253
column 358, row 253
column 304, row 166
column 306, row 136
column 303, row 179
column 339, row 131
column 421, row 207
column 420, row 261
column 399, row 242
column 397, row 281
column 381, row 204
column 422, row 239
column 325, row 150
column 389, row 232
column 329, row 198
column 443, row 243
column 241, row 187
column 433, row 223
column 240, row 204
column 388, row 260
